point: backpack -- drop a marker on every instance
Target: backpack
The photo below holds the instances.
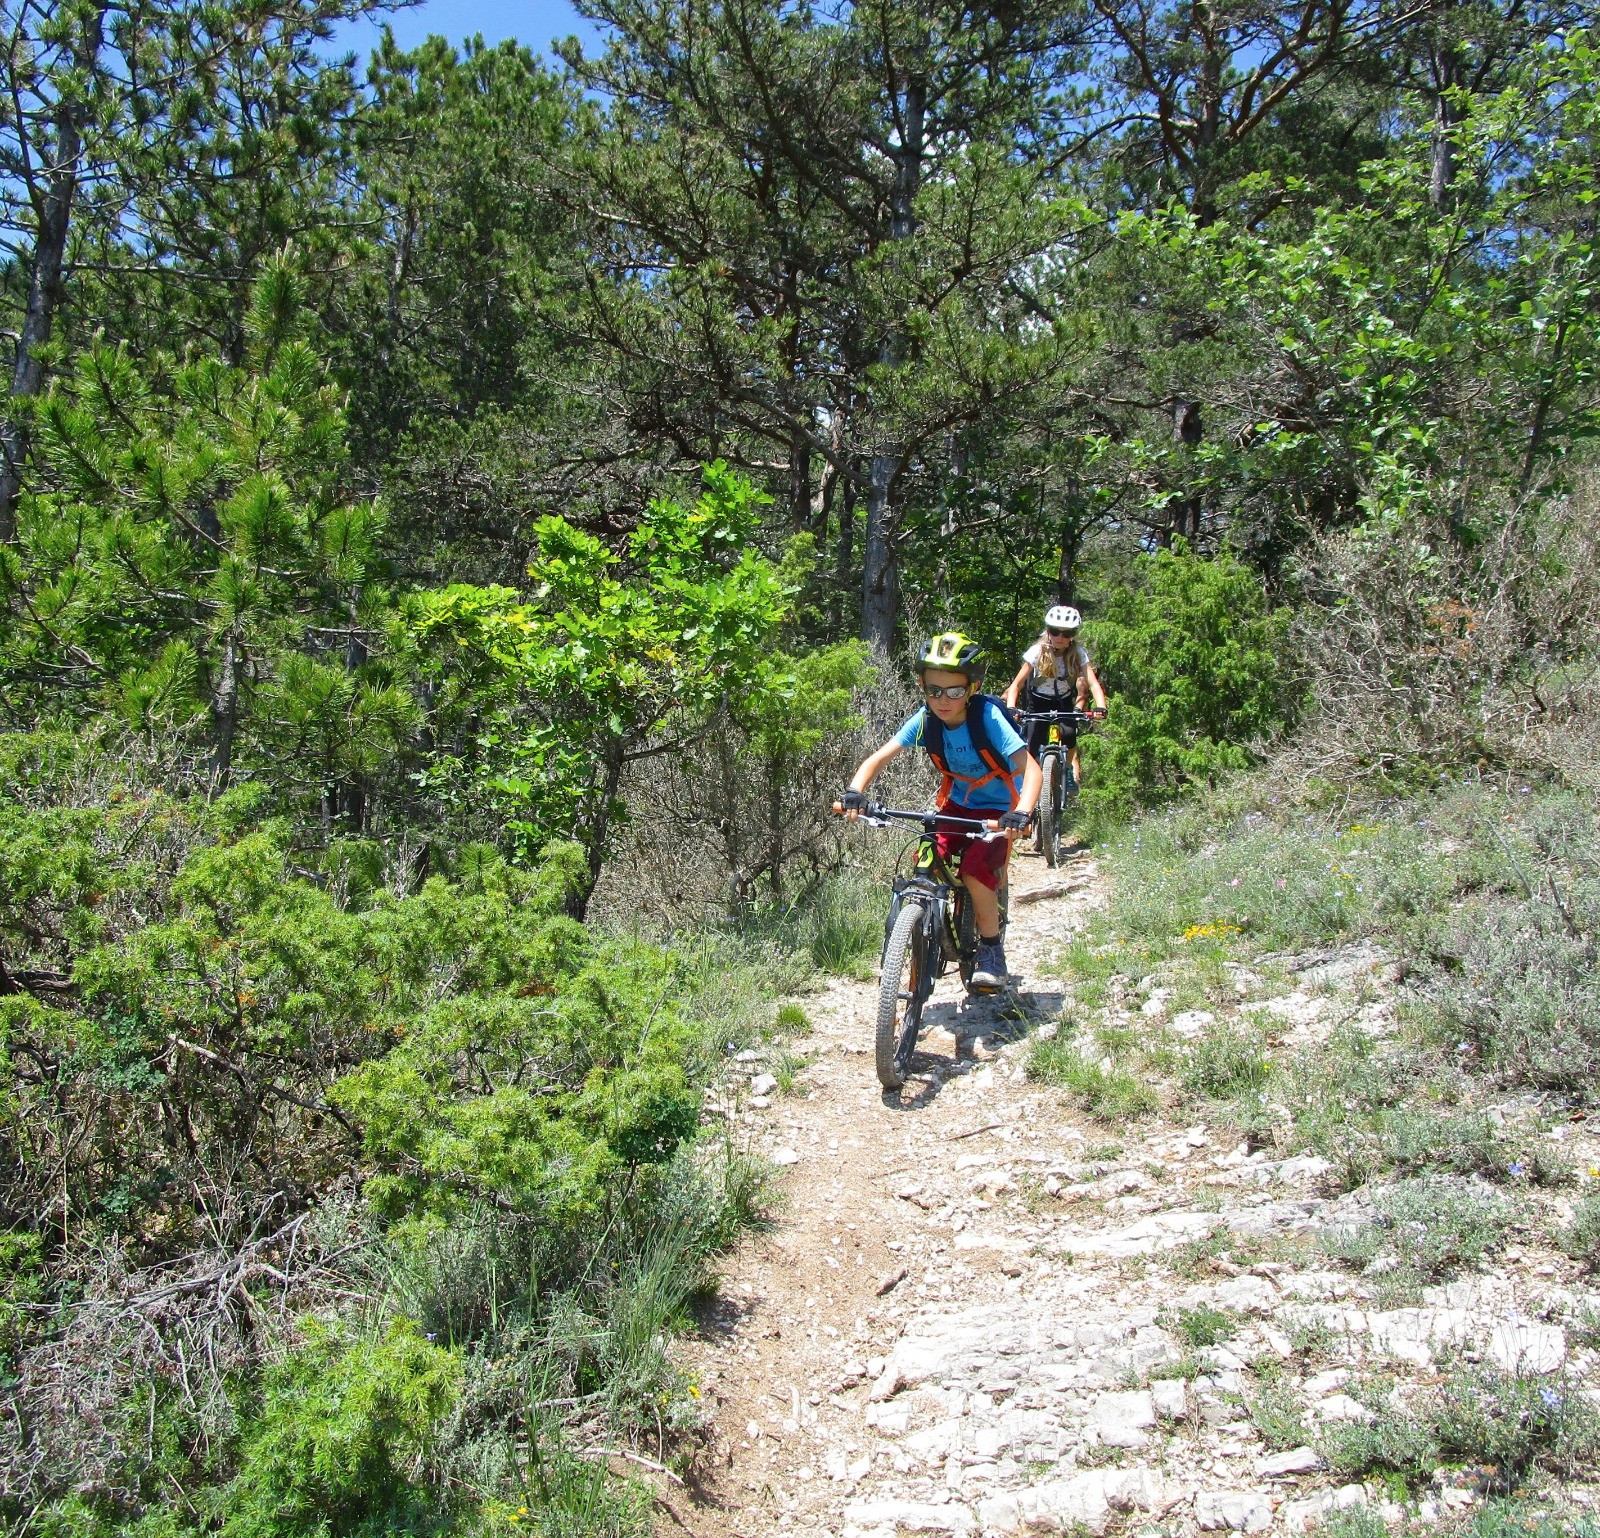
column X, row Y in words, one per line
column 932, row 739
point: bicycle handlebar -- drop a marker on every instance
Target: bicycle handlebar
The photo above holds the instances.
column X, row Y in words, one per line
column 1079, row 718
column 878, row 815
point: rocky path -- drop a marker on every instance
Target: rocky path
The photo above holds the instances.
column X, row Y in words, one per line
column 969, row 1316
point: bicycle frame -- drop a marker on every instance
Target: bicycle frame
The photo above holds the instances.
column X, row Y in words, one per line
column 943, row 897
column 919, row 946
column 934, row 883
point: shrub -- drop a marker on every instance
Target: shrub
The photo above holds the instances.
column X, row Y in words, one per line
column 340, row 1422
column 1524, row 987
column 1438, row 1224
column 1430, row 1226
column 1204, row 1326
column 1395, row 1443
column 1353, row 1522
column 1509, row 1423
column 1192, row 657
column 1524, row 1519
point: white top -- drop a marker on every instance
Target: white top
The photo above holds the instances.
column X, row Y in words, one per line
column 1057, row 688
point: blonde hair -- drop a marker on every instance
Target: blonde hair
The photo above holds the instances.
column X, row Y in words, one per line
column 1054, row 664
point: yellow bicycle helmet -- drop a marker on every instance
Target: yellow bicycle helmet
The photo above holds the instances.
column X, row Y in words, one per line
column 953, row 652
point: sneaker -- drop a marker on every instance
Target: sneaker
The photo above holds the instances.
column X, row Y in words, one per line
column 1069, row 781
column 989, row 973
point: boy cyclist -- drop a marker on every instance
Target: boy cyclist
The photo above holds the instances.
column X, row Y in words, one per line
column 1058, row 675
column 988, row 774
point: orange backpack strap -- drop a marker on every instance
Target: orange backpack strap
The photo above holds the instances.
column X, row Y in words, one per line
column 932, row 739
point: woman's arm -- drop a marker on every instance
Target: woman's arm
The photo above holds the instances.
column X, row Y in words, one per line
column 1092, row 678
column 1014, row 692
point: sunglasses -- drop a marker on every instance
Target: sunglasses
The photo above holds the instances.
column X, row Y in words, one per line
column 1061, row 635
column 946, row 691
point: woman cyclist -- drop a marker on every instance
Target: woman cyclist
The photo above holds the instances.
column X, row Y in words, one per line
column 1057, row 674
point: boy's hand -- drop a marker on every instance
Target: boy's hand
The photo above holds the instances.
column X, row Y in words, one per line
column 854, row 803
column 1016, row 822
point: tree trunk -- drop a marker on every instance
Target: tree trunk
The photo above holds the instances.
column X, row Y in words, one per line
column 1447, row 117
column 612, row 759
column 53, row 207
column 844, row 553
column 775, row 824
column 1067, row 568
column 880, row 578
column 1210, row 118
column 799, row 481
column 225, row 712
column 1183, row 514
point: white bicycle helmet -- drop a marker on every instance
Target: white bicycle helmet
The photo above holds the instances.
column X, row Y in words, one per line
column 1062, row 616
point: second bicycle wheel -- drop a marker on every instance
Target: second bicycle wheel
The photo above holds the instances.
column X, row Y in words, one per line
column 1050, row 809
column 905, row 986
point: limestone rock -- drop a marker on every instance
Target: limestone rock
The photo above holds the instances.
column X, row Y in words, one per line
column 915, row 1516
column 1341, row 1407
column 1297, row 1460
column 1123, row 1420
column 1521, row 1346
column 1241, row 1511
column 1086, row 1501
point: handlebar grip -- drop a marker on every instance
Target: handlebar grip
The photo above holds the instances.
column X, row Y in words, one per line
column 838, row 809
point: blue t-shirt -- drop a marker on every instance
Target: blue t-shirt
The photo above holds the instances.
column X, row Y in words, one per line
column 963, row 758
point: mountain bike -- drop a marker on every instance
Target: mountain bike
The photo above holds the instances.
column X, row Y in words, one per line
column 1055, row 760
column 930, row 924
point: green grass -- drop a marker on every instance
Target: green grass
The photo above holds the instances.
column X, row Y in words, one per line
column 791, row 1020
column 1110, row 1094
column 786, row 1066
column 841, row 926
column 1227, row 1061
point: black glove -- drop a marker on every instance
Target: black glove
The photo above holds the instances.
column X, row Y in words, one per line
column 854, row 801
column 1020, row 821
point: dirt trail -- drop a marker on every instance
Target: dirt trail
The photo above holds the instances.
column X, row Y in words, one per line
column 963, row 1320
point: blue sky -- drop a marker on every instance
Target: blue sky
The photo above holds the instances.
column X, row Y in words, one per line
column 533, row 22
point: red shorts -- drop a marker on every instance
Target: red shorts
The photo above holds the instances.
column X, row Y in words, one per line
column 983, row 860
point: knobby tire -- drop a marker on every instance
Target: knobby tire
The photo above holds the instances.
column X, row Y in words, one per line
column 901, row 995
column 1050, row 810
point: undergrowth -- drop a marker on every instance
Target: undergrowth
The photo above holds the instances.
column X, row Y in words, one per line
column 385, row 1209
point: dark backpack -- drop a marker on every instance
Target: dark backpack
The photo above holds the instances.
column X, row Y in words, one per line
column 932, row 740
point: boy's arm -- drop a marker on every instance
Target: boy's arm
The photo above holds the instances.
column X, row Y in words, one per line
column 871, row 767
column 1014, row 692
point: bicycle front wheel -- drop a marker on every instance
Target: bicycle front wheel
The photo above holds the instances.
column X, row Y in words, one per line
column 905, row 986
column 1050, row 809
